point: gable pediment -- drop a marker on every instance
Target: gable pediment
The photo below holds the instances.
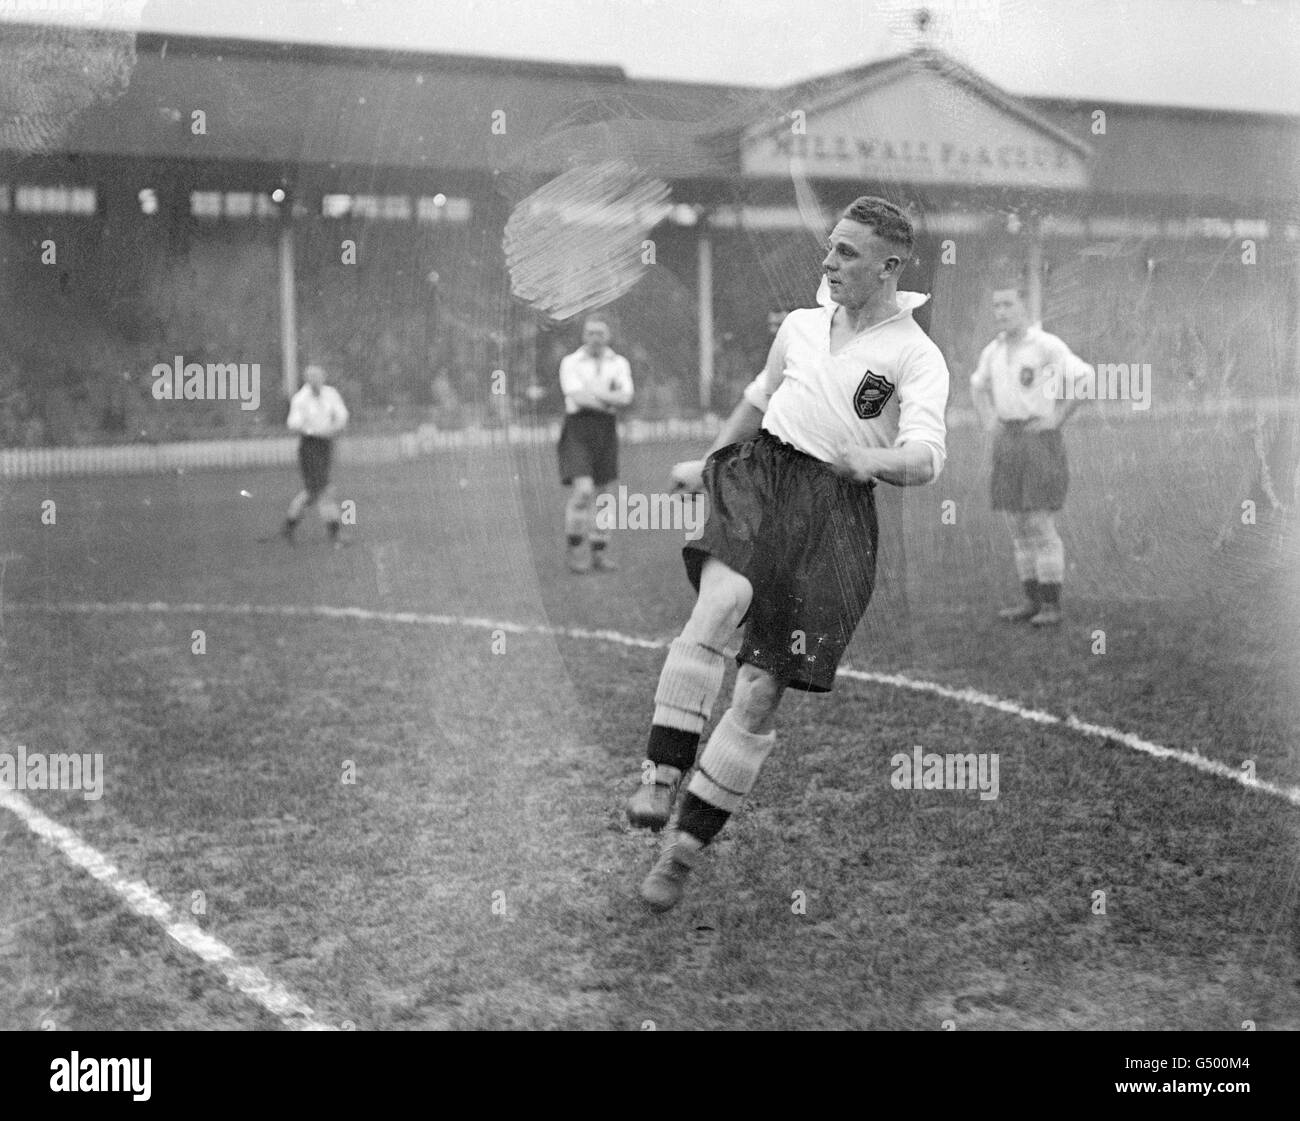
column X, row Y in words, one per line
column 918, row 122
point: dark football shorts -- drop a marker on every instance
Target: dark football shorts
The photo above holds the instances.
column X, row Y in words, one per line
column 805, row 537
column 314, row 454
column 1029, row 469
column 589, row 446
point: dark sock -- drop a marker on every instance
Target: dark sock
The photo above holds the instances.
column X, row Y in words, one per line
column 289, row 526
column 574, row 539
column 672, row 747
column 700, row 819
column 333, row 530
column 1032, row 592
column 1050, row 594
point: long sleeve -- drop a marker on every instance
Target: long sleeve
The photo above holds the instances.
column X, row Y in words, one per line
column 922, row 400
column 759, row 391
column 339, row 413
column 618, row 388
column 297, row 419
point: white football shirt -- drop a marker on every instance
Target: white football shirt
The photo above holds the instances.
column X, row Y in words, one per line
column 322, row 415
column 885, row 388
column 1029, row 375
column 607, row 374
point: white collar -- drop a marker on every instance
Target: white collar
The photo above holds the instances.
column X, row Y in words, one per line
column 1031, row 332
column 907, row 301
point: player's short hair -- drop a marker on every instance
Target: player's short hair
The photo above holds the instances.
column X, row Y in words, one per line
column 588, row 320
column 1008, row 283
column 886, row 221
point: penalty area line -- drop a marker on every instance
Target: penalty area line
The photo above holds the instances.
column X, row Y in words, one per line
column 1102, row 732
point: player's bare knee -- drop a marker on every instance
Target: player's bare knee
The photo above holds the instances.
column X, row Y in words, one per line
column 755, row 699
column 718, row 610
column 726, row 592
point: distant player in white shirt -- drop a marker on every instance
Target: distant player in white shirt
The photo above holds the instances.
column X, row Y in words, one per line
column 852, row 393
column 1021, row 391
column 318, row 414
column 596, row 383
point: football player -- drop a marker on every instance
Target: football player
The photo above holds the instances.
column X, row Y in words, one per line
column 596, row 382
column 853, row 393
column 318, row 415
column 1022, row 392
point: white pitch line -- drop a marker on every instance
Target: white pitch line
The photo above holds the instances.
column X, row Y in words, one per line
column 1097, row 731
column 142, row 899
column 967, row 696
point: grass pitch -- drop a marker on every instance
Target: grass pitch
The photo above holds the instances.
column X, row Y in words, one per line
column 478, row 872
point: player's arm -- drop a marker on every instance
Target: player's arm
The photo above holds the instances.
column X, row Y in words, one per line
column 296, row 419
column 907, row 465
column 744, row 423
column 746, row 419
column 617, row 390
column 340, row 417
column 574, row 388
column 981, row 393
column 1072, row 370
column 919, row 450
column 1063, row 410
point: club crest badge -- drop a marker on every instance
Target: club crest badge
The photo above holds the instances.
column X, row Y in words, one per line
column 872, row 394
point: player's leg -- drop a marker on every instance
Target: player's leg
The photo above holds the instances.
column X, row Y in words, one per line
column 688, row 686
column 1045, row 495
column 1049, row 567
column 604, row 472
column 313, row 462
column 578, row 517
column 1024, row 547
column 302, row 499
column 293, row 516
column 299, row 503
column 725, row 773
column 328, row 505
column 598, row 534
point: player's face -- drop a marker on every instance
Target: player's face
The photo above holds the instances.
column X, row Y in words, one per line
column 857, row 263
column 594, row 337
column 315, row 377
column 1009, row 311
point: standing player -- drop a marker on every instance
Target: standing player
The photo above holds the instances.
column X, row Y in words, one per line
column 595, row 382
column 852, row 393
column 316, row 412
column 1018, row 390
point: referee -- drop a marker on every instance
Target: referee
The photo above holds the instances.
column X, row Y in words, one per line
column 1018, row 391
column 318, row 414
column 595, row 382
column 853, row 392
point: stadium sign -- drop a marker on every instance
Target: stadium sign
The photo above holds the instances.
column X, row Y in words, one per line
column 919, row 127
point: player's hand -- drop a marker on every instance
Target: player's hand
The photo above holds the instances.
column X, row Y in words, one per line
column 853, row 463
column 688, row 476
